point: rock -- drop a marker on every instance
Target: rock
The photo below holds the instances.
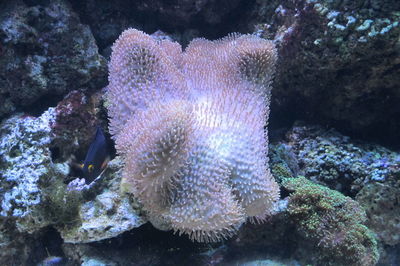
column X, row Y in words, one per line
column 339, row 63
column 182, row 19
column 274, row 238
column 108, row 214
column 343, row 164
column 314, row 225
column 107, row 19
column 86, row 255
column 270, row 263
column 45, row 52
column 179, row 12
column 381, row 202
column 15, row 246
column 76, row 121
column 26, row 169
column 283, row 161
column 141, row 246
column 34, row 195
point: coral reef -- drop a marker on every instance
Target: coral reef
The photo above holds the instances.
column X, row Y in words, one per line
column 270, row 262
column 45, row 52
column 341, row 54
column 339, row 162
column 26, row 168
column 314, row 225
column 108, row 214
column 338, row 54
column 33, row 192
column 191, row 129
column 338, row 66
column 34, row 195
column 333, row 223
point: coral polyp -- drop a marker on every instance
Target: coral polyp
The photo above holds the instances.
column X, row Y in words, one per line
column 190, row 126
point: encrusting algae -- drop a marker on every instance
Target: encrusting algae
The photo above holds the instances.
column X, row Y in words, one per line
column 332, row 222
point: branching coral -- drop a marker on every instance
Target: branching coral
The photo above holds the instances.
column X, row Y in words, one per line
column 190, row 127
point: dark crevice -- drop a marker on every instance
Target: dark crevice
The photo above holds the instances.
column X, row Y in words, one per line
column 47, row 245
column 41, row 105
column 124, row 14
column 55, row 154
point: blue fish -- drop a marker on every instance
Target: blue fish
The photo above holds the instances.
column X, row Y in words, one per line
column 52, row 261
column 97, row 157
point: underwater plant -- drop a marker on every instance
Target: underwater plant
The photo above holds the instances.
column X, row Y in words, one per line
column 190, row 127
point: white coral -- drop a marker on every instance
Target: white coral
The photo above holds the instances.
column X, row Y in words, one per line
column 190, row 126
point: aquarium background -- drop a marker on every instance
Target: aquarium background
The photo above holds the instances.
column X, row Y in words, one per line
column 334, row 132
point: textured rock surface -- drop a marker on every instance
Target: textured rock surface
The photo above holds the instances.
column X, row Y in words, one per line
column 382, row 204
column 45, row 52
column 333, row 224
column 89, row 255
column 141, row 246
column 33, row 194
column 335, row 160
column 108, row 214
column 15, row 247
column 276, row 237
column 108, row 19
column 339, row 62
column 26, row 168
column 76, row 120
column 315, row 225
column 189, row 11
column 182, row 19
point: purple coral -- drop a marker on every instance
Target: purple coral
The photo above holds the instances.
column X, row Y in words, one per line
column 190, row 127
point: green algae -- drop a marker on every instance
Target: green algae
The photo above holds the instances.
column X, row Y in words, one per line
column 333, row 222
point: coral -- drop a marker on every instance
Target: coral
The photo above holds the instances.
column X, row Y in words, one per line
column 340, row 162
column 26, row 167
column 45, row 53
column 105, row 216
column 332, row 222
column 381, row 202
column 190, row 126
column 33, row 193
column 283, row 162
column 60, row 206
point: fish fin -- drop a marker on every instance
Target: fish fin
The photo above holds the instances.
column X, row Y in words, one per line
column 75, row 165
column 105, row 163
column 72, row 162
